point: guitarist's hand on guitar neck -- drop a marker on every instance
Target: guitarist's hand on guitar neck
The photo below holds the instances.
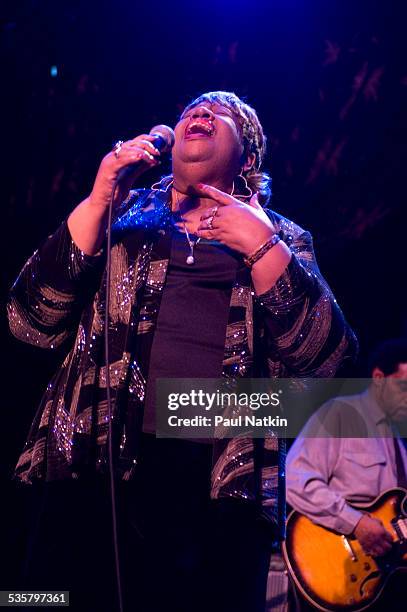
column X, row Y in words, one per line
column 373, row 537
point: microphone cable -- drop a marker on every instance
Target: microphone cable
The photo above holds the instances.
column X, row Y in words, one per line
column 164, row 141
column 113, row 503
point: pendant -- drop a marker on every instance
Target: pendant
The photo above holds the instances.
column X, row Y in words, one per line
column 190, row 260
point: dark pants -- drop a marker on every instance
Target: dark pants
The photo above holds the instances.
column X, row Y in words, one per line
column 179, row 550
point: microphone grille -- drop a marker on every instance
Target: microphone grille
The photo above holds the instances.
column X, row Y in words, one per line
column 166, row 133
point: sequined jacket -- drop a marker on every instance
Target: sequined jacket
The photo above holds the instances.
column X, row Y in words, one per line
column 294, row 329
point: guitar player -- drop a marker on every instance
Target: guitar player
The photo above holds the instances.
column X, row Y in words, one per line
column 327, row 473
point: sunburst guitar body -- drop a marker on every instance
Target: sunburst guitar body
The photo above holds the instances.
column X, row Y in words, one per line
column 331, row 570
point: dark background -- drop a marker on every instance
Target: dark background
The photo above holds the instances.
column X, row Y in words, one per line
column 329, row 81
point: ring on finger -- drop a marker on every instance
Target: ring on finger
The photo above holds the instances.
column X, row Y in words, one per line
column 214, row 211
column 209, row 222
column 117, row 148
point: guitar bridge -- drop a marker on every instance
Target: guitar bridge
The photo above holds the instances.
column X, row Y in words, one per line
column 348, row 547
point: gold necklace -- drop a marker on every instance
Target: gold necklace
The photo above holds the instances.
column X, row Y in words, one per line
column 190, row 259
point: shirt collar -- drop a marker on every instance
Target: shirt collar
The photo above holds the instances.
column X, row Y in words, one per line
column 373, row 408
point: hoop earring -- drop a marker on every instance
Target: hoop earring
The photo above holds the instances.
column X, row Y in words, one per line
column 246, row 187
column 156, row 186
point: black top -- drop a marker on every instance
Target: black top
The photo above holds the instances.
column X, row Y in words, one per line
column 189, row 338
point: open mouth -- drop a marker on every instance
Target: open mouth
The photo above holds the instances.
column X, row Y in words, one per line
column 199, row 128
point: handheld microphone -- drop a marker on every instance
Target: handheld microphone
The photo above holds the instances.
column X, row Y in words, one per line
column 164, row 138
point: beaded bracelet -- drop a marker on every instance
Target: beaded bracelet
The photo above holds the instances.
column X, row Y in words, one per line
column 250, row 260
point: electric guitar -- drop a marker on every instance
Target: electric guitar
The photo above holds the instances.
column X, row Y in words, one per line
column 331, row 570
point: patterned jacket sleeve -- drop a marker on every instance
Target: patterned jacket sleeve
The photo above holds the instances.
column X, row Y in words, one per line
column 304, row 326
column 50, row 291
